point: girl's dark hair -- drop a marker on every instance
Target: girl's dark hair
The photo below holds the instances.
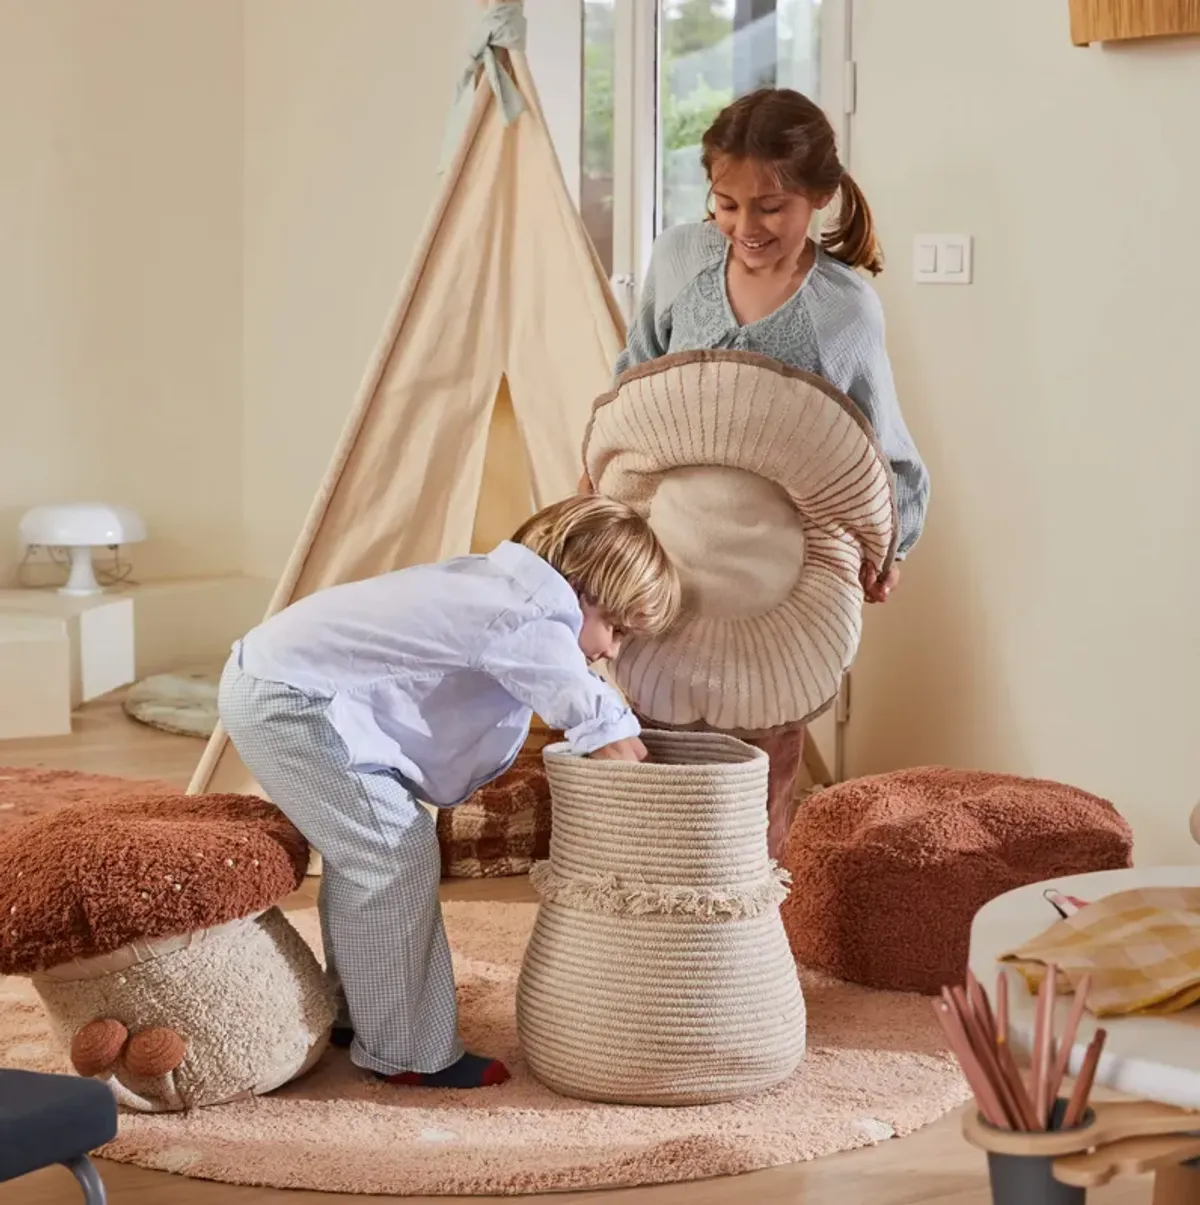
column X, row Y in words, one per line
column 790, row 134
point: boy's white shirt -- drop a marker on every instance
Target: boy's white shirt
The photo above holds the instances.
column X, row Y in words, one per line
column 434, row 672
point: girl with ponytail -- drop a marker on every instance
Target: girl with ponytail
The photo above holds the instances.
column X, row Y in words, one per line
column 751, row 278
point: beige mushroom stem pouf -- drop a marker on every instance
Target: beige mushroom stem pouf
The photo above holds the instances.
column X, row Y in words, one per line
column 150, row 929
column 768, row 490
column 658, row 972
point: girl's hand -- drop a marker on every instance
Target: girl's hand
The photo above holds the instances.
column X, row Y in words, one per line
column 629, row 749
column 878, row 588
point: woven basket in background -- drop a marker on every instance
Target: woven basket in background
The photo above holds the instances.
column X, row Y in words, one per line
column 503, row 828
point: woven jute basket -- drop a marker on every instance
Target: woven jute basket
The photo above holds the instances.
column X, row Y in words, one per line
column 658, row 972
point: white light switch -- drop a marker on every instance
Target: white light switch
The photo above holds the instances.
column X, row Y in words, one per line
column 943, row 259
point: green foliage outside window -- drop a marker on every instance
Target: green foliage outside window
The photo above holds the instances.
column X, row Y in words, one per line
column 689, row 27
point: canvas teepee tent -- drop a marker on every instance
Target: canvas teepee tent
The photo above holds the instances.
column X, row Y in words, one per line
column 472, row 410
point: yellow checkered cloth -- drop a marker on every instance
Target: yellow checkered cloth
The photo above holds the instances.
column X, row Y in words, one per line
column 1141, row 948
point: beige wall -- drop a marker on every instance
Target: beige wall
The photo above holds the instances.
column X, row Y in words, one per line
column 346, row 107
column 1048, row 622
column 206, row 207
column 120, row 269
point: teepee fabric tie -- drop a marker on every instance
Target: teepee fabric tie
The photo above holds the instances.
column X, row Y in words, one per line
column 502, row 28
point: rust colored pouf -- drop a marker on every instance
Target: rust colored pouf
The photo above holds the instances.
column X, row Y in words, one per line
column 889, row 871
column 150, row 927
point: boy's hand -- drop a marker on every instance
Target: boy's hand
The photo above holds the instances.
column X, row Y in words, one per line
column 629, row 749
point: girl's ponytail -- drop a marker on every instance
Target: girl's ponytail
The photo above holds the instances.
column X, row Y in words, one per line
column 852, row 238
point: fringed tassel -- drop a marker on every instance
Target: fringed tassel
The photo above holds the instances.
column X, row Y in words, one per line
column 610, row 895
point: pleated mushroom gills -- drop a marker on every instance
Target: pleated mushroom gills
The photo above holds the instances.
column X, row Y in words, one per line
column 768, row 489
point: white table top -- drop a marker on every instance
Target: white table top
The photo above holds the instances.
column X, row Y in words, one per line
column 1153, row 1058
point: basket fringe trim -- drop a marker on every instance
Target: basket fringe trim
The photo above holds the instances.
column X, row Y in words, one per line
column 611, row 895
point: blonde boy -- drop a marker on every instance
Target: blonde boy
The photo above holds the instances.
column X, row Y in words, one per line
column 357, row 703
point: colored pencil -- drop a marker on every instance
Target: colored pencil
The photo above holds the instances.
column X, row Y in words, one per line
column 980, row 1041
column 980, row 1004
column 1070, row 1032
column 983, row 1042
column 1077, row 1105
column 1043, row 1044
column 997, row 1027
column 985, row 1093
column 1002, row 1006
column 1008, row 1063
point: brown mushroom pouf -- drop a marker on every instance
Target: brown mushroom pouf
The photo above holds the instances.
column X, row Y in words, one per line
column 889, row 871
column 150, row 929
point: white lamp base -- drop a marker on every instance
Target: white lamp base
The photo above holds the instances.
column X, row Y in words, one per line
column 82, row 581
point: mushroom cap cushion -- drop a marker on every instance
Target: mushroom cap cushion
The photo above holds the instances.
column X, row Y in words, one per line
column 768, row 490
column 91, row 878
column 890, row 870
column 149, row 928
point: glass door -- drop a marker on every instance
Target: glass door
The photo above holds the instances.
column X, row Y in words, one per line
column 597, row 137
column 654, row 75
column 710, row 52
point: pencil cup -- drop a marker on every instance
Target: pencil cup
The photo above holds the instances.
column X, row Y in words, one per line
column 1029, row 1179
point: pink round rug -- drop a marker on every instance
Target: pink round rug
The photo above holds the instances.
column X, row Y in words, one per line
column 877, row 1068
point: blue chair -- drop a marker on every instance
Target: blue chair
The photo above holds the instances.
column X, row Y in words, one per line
column 48, row 1119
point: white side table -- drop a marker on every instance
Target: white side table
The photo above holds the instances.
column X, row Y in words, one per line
column 1153, row 1058
column 35, row 677
column 99, row 628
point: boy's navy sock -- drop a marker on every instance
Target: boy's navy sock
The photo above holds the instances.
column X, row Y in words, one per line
column 471, row 1071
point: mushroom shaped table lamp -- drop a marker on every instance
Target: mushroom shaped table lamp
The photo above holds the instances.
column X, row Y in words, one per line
column 79, row 528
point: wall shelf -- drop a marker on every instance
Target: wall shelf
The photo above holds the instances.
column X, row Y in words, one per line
column 1126, row 20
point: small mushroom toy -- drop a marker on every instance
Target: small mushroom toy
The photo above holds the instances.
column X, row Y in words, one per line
column 151, row 931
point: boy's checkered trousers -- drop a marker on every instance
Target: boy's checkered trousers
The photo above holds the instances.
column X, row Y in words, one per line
column 380, row 915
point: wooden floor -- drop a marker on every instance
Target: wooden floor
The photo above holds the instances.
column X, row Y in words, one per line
column 928, row 1168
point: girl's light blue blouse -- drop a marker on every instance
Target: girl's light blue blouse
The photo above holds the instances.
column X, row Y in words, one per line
column 832, row 326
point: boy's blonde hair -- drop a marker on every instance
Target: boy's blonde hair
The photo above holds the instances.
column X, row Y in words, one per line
column 609, row 554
